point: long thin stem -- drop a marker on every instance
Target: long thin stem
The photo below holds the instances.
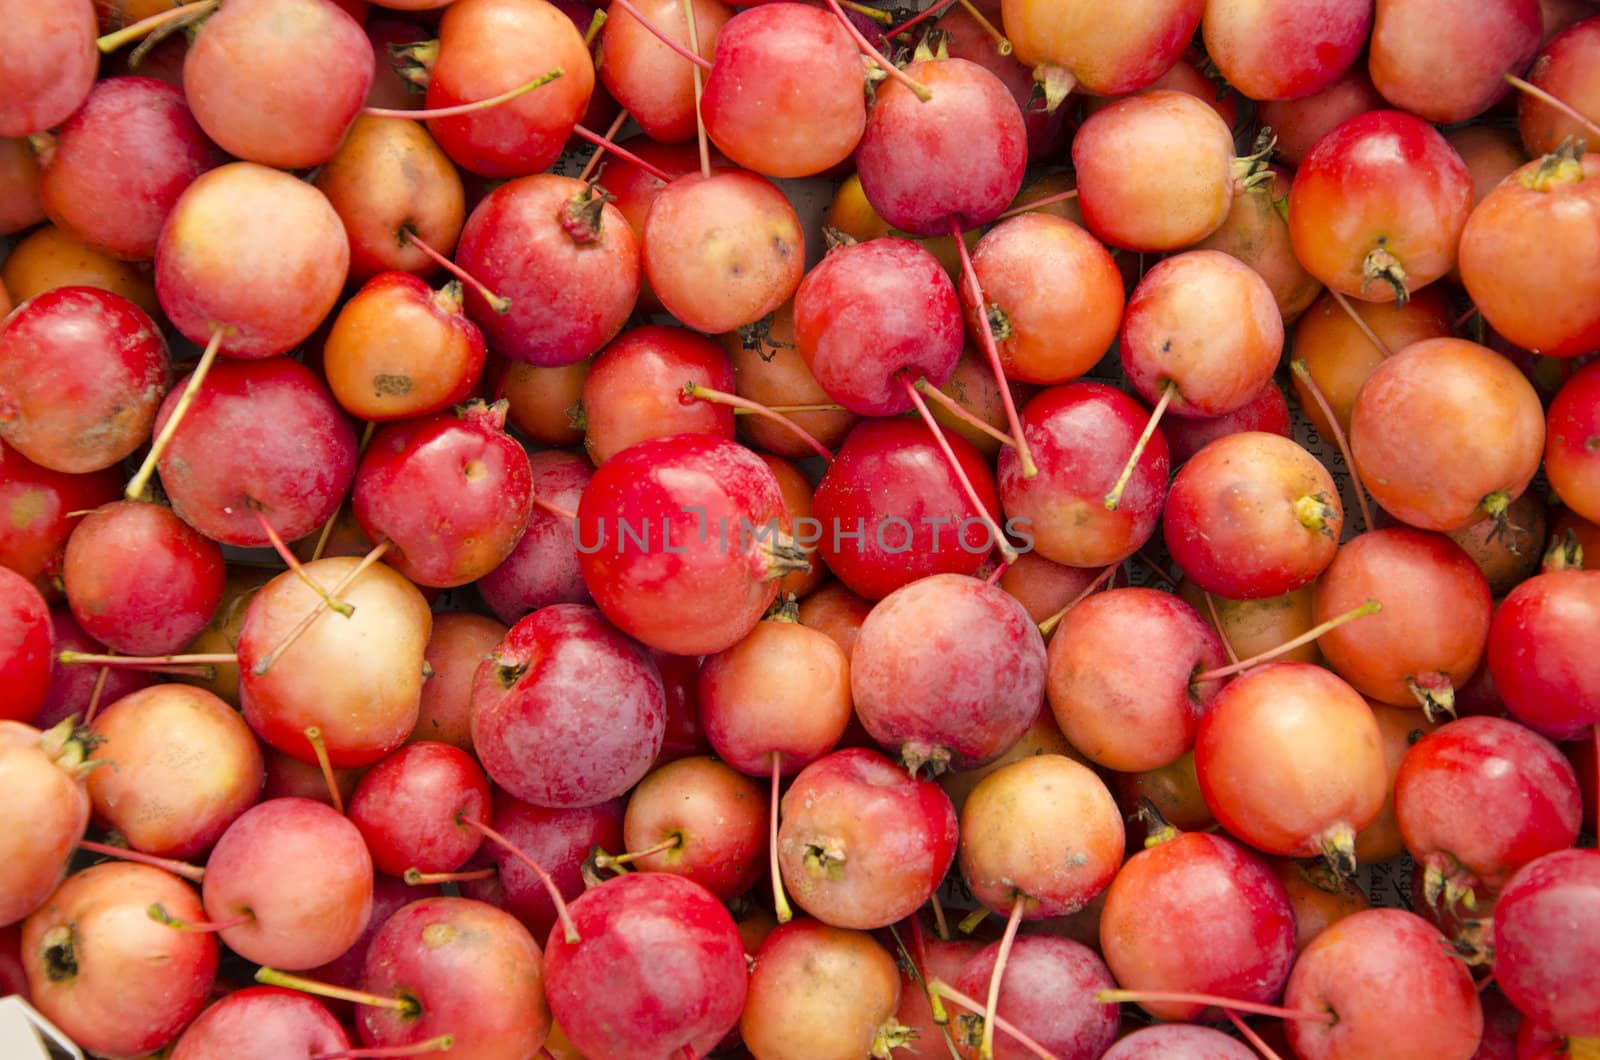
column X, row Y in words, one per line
column 1250, row 1035
column 327, row 527
column 568, row 929
column 1371, row 607
column 945, row 990
column 662, row 35
column 1001, row 41
column 1111, row 997
column 319, row 747
column 954, row 407
column 293, row 563
column 139, row 662
column 991, row 350
column 998, row 573
column 622, row 152
column 1039, row 204
column 1365, row 328
column 1048, row 625
column 409, row 237
column 466, row 108
column 185, row 14
column 606, row 861
column 417, row 878
column 1007, row 552
column 1114, row 497
column 273, row 977
column 780, row 901
column 1222, row 634
column 194, row 873
column 600, row 151
column 141, row 478
column 159, row 914
column 316, row 612
column 1007, row 940
column 554, row 509
column 722, row 397
column 933, row 11
column 95, row 696
column 1544, row 97
column 1302, row 373
column 940, row 924
column 699, row 90
column 442, row 1044
column 882, row 18
column 920, row 90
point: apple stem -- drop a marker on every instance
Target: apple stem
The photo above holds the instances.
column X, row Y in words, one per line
column 1007, row 551
column 273, row 977
column 1544, row 97
column 1250, row 1035
column 969, row 276
column 554, row 509
column 945, row 990
column 954, row 407
column 315, row 613
column 1048, row 626
column 600, row 151
column 915, row 960
column 1002, row 43
column 567, row 927
column 663, row 36
column 465, row 108
column 417, row 878
column 193, row 873
column 918, row 89
column 141, row 478
column 996, row 574
column 1371, row 607
column 933, row 11
column 621, row 152
column 609, row 861
column 145, row 661
column 1360, row 322
column 442, row 1044
column 94, row 697
column 1222, row 634
column 319, row 747
column 327, row 532
column 293, row 563
column 1039, row 204
column 1013, row 922
column 699, row 90
column 753, row 408
column 1114, row 498
column 181, row 15
column 1112, row 997
column 1302, row 373
column 780, row 901
column 159, row 914
column 940, row 924
column 789, row 410
column 970, row 922
column 1155, row 568
column 409, row 237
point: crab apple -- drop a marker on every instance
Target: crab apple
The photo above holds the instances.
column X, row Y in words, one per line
column 1041, row 738
column 1491, row 153
column 39, row 509
column 1565, row 69
column 262, row 1023
column 545, row 402
column 19, row 178
column 84, row 371
column 108, row 974
column 634, row 188
column 1450, row 77
column 1478, row 799
column 1257, row 233
column 1544, row 966
column 1429, row 634
column 1043, row 831
column 853, row 330
column 660, row 969
column 953, row 161
column 1378, row 205
column 1048, row 992
column 699, row 818
column 821, row 991
column 651, row 80
column 722, row 250
column 769, row 370
column 27, row 648
column 862, row 844
column 1253, row 515
column 1284, row 50
column 132, row 143
column 1155, row 171
column 50, row 66
column 1178, row 1041
column 334, row 676
column 472, row 973
column 564, row 258
column 1300, row 123
column 391, row 185
column 1198, row 913
column 1480, row 446
column 1252, row 627
column 1081, row 435
column 1394, row 988
column 1401, row 728
column 1540, row 658
column 635, row 390
column 948, row 672
column 1103, row 52
column 543, row 567
column 678, row 542
column 1267, row 412
column 489, row 47
column 180, row 767
column 1539, row 294
column 567, row 711
column 1290, row 760
column 1053, row 296
column 1123, row 702
column 410, row 807
column 252, row 252
column 963, row 36
column 45, row 773
column 1317, row 896
column 1572, row 443
column 47, row 257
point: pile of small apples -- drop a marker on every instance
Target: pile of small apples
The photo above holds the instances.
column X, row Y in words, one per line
column 474, row 585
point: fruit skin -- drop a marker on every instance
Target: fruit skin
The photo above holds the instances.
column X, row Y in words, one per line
column 27, row 648
column 1572, row 443
column 1109, row 51
column 42, row 773
column 47, row 69
column 1539, row 956
column 1541, row 653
